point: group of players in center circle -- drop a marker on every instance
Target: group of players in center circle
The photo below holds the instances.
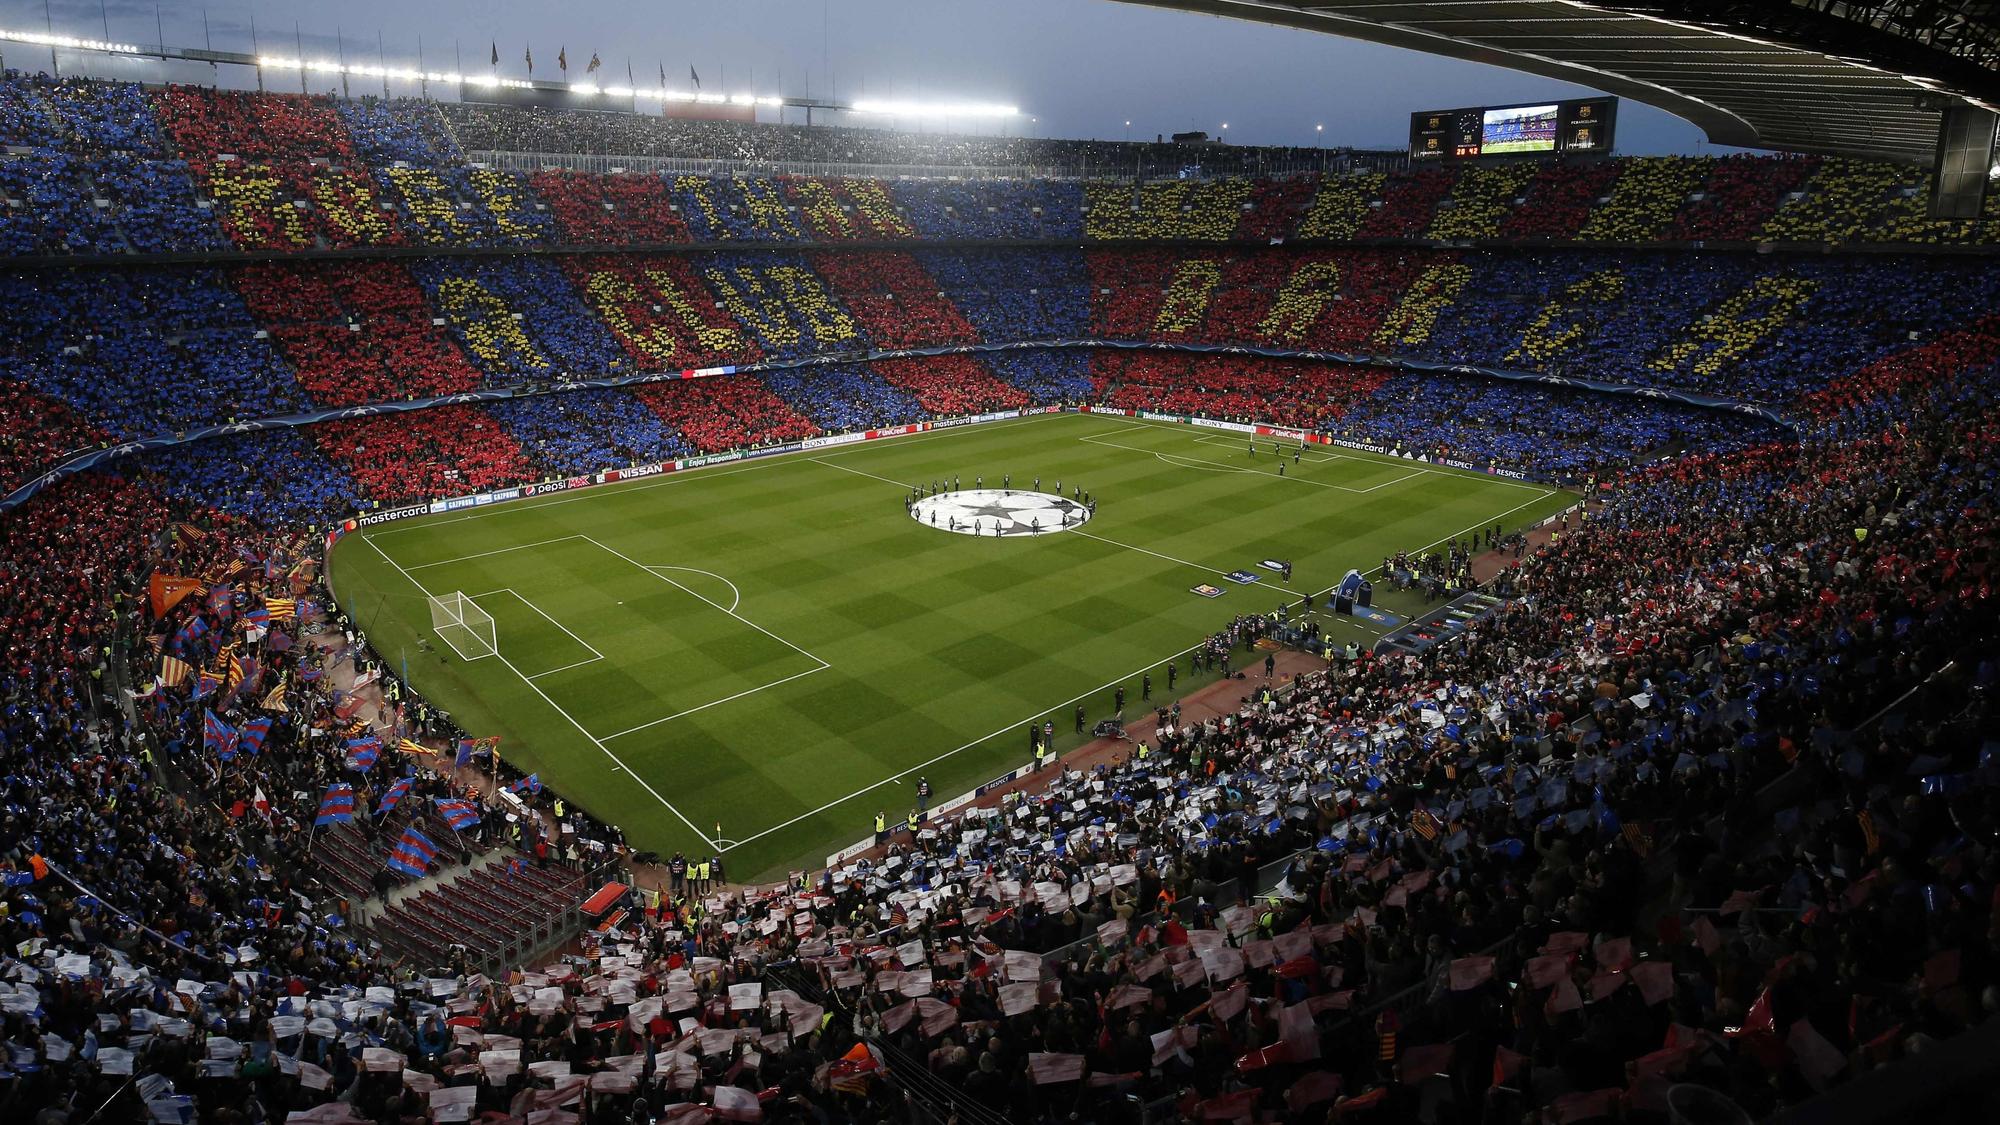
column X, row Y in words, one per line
column 1278, row 451
column 940, row 487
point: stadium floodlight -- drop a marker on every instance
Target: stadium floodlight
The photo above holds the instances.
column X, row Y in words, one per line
column 68, row 42
column 934, row 109
column 461, row 624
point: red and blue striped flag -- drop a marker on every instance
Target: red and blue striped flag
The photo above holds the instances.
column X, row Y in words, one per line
column 412, row 854
column 254, row 733
column 337, row 806
column 460, row 814
column 362, row 752
column 395, row 796
column 194, row 630
column 529, row 784
column 218, row 735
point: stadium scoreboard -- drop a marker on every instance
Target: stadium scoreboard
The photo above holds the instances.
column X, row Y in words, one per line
column 1583, row 126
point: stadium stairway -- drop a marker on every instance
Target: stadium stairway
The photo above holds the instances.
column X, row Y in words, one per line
column 348, row 855
column 503, row 910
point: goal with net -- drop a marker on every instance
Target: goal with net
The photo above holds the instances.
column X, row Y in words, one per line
column 459, row 622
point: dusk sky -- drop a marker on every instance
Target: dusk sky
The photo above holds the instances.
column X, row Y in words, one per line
column 1081, row 67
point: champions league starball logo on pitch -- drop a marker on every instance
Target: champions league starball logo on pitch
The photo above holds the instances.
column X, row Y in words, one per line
column 998, row 513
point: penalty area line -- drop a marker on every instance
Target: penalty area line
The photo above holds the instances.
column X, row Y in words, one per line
column 536, row 688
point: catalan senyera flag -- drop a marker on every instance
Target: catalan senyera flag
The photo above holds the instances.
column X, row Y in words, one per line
column 275, row 699
column 411, row 746
column 281, row 609
column 174, row 671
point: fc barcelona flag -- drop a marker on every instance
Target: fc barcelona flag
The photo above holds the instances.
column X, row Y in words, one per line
column 255, row 732
column 412, row 854
column 460, row 814
column 218, row 735
column 337, row 806
column 395, row 796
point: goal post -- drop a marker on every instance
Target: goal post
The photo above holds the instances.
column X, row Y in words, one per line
column 460, row 623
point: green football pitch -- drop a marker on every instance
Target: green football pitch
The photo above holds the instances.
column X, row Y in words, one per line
column 755, row 657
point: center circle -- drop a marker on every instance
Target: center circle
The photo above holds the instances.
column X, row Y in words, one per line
column 999, row 512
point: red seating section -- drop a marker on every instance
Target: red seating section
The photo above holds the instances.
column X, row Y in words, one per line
column 312, row 311
column 1293, row 392
column 35, row 432
column 726, row 412
column 424, row 454
column 894, row 298
column 951, row 384
column 621, row 210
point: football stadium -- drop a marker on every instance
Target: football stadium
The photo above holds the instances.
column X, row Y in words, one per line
column 535, row 597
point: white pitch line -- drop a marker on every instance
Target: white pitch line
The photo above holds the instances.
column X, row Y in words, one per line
column 565, row 668
column 523, row 599
column 1144, row 551
column 893, row 778
column 1381, row 459
column 1141, row 670
column 705, row 472
column 501, row 551
column 532, row 686
column 1314, row 454
column 717, row 702
column 1220, row 466
column 859, row 473
column 710, row 601
column 736, row 595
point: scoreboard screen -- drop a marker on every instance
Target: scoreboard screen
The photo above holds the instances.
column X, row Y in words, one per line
column 1580, row 127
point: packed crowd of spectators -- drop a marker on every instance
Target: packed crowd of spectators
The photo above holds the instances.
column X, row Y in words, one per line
column 131, row 353
column 1540, row 868
column 1706, row 798
column 184, row 167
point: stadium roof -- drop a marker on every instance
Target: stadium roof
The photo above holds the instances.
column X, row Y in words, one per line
column 1825, row 76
